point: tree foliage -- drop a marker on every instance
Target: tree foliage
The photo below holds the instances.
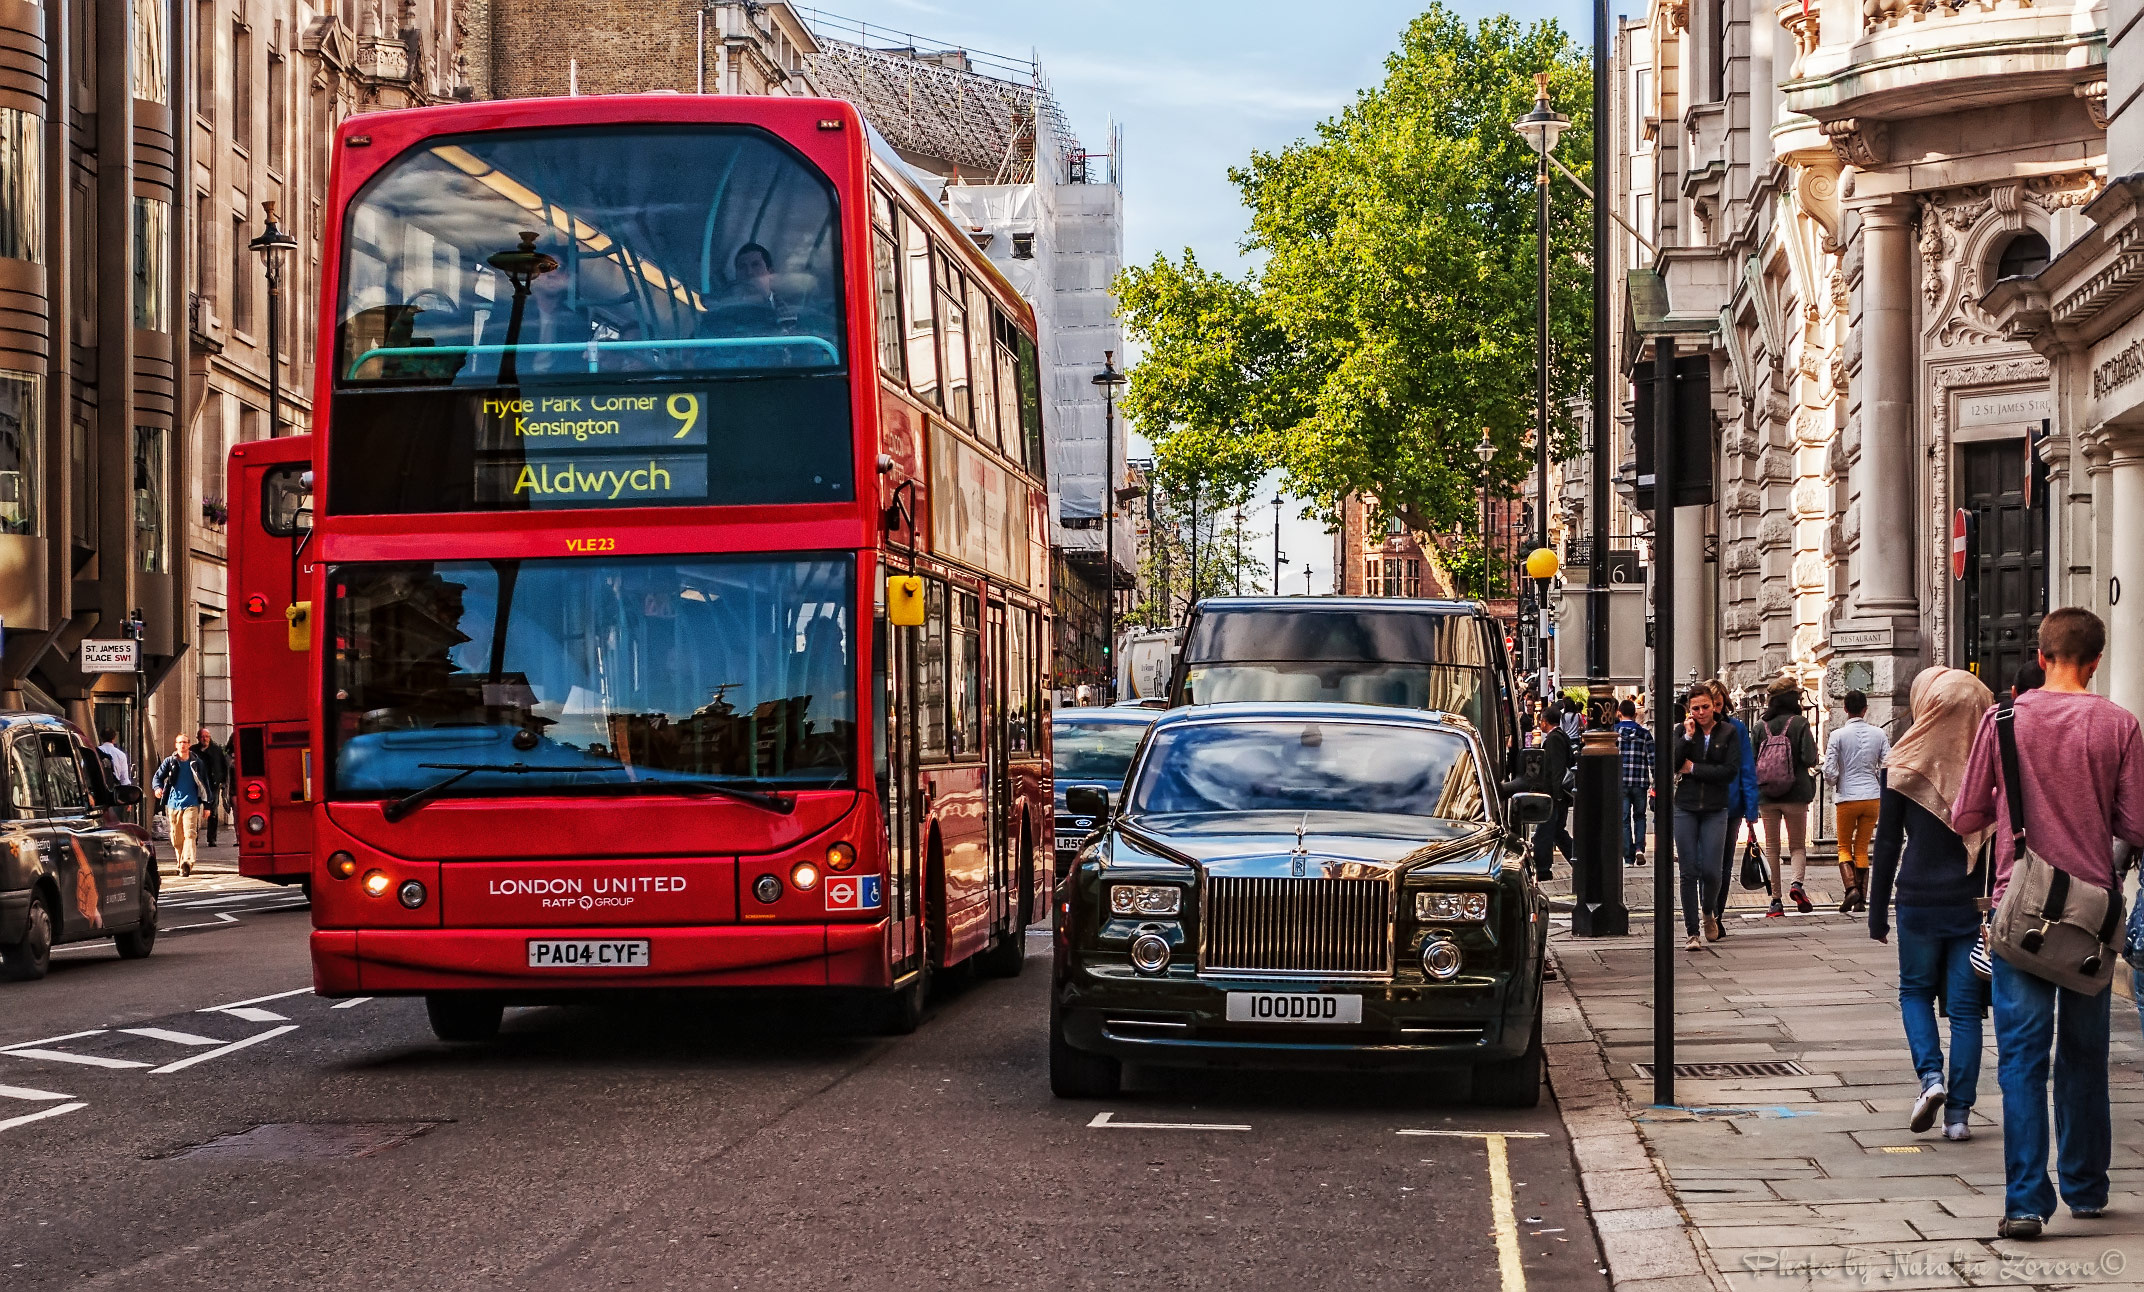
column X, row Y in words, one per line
column 1393, row 316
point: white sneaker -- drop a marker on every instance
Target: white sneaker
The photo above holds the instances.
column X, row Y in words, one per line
column 1957, row 1131
column 1928, row 1105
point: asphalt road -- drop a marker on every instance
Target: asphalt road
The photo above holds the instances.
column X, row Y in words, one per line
column 692, row 1145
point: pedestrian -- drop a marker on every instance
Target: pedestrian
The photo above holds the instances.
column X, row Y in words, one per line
column 2030, row 677
column 1708, row 759
column 1938, row 888
column 1741, row 805
column 1786, row 785
column 115, row 757
column 2081, row 773
column 1574, row 718
column 209, row 756
column 181, row 787
column 1853, row 757
column 1635, row 744
column 1556, row 755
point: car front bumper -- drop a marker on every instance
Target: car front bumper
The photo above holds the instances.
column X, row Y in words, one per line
column 1178, row 1019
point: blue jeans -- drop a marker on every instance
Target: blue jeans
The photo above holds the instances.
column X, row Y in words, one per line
column 1634, row 802
column 1931, row 966
column 2032, row 1014
column 1700, row 842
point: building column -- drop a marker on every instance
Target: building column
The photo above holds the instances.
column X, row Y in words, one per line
column 2123, row 578
column 2095, row 537
column 1888, row 470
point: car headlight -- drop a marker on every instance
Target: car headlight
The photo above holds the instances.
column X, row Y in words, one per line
column 1450, row 906
column 1145, row 899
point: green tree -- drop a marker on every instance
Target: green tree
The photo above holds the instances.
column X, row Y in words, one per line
column 1393, row 316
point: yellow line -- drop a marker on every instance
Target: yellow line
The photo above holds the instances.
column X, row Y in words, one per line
column 1506, row 1218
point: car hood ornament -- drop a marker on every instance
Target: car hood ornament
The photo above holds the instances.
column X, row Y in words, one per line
column 1300, row 854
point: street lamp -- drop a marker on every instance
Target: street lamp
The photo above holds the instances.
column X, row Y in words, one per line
column 1486, row 452
column 274, row 246
column 1109, row 379
column 1276, row 544
column 522, row 265
column 1541, row 128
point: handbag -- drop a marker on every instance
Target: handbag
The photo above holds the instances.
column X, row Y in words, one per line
column 1755, row 875
column 2049, row 923
column 1983, row 963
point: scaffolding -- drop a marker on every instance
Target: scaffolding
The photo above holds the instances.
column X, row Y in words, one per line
column 980, row 113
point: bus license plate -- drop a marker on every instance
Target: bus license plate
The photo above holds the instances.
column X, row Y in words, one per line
column 1292, row 1007
column 587, row 953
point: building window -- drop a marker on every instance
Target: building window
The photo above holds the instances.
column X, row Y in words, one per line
column 1414, row 577
column 210, row 431
column 82, row 483
column 2024, row 254
column 152, row 264
column 1373, row 582
column 206, row 30
column 278, row 126
column 241, row 85
column 204, row 256
column 1394, row 526
column 22, row 186
column 150, row 501
column 152, row 63
column 242, row 271
column 21, row 426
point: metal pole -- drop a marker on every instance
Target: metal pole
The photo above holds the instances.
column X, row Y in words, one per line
column 1276, row 545
column 1239, row 551
column 1541, row 361
column 1191, row 598
column 275, row 347
column 1597, row 574
column 1664, row 729
column 1109, row 532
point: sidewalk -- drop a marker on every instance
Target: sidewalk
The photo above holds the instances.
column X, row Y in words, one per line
column 1810, row 1179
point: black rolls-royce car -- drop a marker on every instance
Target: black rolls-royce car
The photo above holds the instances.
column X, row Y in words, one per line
column 1288, row 885
column 70, row 870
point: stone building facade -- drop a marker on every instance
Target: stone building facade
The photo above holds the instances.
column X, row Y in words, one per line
column 1837, row 187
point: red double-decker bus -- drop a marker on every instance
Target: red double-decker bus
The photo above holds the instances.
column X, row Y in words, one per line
column 272, row 703
column 679, row 572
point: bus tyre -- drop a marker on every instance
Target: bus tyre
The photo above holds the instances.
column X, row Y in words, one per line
column 1076, row 1074
column 1512, row 1083
column 463, row 1016
column 1006, row 956
column 27, row 960
column 136, row 943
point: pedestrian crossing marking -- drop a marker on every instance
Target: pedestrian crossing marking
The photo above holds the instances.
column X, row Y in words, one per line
column 41, row 1114
column 253, row 1015
column 62, row 1056
column 191, row 1059
column 24, row 1092
column 176, row 1038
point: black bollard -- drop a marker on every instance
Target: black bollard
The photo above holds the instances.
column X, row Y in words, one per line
column 1597, row 877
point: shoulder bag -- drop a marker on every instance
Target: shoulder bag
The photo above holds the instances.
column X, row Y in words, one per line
column 2049, row 923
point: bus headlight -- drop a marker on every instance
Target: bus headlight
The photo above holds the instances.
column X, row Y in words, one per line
column 805, row 876
column 377, row 883
column 1451, row 907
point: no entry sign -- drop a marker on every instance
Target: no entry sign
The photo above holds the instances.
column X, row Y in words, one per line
column 1958, row 522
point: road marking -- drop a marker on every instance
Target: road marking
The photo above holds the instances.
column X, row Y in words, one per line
column 42, row 1113
column 247, row 1009
column 346, row 1004
column 252, row 1015
column 1107, row 1121
column 222, row 921
column 191, row 1059
column 176, row 1038
column 50, row 1040
column 24, row 1092
column 257, row 1000
column 62, row 1056
column 1502, row 1212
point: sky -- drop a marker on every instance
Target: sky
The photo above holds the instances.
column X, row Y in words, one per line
column 1197, row 85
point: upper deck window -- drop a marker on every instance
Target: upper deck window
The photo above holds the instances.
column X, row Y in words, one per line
column 628, row 251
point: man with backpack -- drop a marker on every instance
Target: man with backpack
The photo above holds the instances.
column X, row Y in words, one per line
column 1786, row 785
column 2079, row 769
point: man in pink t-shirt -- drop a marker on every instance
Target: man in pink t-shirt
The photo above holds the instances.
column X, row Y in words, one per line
column 2081, row 774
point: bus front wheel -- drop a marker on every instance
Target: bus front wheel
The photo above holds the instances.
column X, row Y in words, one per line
column 463, row 1016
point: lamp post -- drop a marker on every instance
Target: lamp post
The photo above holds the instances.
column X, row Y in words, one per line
column 1276, row 544
column 1486, row 452
column 522, row 265
column 1541, row 128
column 1109, row 379
column 274, row 246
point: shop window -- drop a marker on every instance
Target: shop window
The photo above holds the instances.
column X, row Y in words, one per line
column 21, row 432
column 152, row 265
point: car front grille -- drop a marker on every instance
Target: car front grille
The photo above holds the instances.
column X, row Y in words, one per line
column 1298, row 926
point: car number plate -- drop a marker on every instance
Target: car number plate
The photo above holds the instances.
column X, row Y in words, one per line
column 1292, row 1007
column 588, row 953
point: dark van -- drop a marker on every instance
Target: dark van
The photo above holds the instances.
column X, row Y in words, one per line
column 1409, row 654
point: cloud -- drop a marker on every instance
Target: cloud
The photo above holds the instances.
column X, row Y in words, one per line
column 1184, row 85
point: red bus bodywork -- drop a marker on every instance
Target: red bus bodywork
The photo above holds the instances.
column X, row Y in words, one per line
column 971, row 834
column 272, row 691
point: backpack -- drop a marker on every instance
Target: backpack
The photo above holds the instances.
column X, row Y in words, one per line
column 1775, row 762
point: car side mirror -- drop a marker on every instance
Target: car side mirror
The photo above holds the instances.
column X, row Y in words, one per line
column 128, row 795
column 1085, row 800
column 1529, row 808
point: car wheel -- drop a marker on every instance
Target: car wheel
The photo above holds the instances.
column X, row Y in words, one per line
column 1006, row 956
column 463, row 1016
column 1512, row 1083
column 137, row 942
column 1076, row 1074
column 27, row 960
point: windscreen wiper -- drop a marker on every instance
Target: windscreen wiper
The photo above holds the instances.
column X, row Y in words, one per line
column 778, row 803
column 410, row 802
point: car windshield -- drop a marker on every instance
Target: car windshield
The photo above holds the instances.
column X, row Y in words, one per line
column 1441, row 687
column 1095, row 751
column 595, row 676
column 1319, row 765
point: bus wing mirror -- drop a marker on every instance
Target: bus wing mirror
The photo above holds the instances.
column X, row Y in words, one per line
column 904, row 600
column 299, row 615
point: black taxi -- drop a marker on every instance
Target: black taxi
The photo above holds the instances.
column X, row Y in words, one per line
column 1291, row 885
column 70, row 870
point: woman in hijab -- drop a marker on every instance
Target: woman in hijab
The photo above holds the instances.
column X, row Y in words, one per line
column 1939, row 892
